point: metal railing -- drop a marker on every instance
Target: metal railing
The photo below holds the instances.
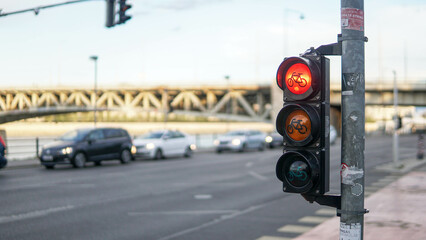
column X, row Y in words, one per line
column 22, row 148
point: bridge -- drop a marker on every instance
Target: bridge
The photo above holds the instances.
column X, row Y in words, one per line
column 237, row 103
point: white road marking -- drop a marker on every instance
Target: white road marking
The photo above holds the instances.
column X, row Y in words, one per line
column 371, row 188
column 326, row 212
column 203, row 196
column 196, row 212
column 313, row 219
column 257, row 175
column 213, row 222
column 379, row 184
column 273, row 238
column 294, row 229
column 34, row 214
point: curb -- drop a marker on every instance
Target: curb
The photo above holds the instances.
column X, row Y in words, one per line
column 404, row 166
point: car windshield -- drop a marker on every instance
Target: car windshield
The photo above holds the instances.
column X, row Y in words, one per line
column 151, row 135
column 75, row 135
column 236, row 133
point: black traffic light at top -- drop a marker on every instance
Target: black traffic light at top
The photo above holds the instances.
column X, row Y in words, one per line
column 122, row 17
column 111, row 14
column 304, row 123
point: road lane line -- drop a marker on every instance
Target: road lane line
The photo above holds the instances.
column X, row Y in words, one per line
column 313, row 219
column 197, row 212
column 33, row 214
column 294, row 229
column 326, row 212
column 273, row 238
column 257, row 175
column 213, row 222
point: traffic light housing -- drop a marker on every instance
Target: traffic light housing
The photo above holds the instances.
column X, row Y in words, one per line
column 111, row 13
column 304, row 123
column 122, row 17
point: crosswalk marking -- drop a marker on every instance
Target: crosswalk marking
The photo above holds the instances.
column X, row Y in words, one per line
column 386, row 180
column 313, row 219
column 368, row 193
column 379, row 184
column 273, row 238
column 326, row 212
column 370, row 188
column 294, row 229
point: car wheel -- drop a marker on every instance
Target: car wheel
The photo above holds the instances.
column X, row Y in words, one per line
column 98, row 163
column 49, row 166
column 158, row 154
column 126, row 157
column 218, row 150
column 79, row 160
column 243, row 148
column 262, row 147
column 188, row 152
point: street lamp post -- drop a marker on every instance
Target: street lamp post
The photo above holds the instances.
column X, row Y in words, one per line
column 95, row 87
column 285, row 28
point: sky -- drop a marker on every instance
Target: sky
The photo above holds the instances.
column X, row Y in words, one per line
column 198, row 42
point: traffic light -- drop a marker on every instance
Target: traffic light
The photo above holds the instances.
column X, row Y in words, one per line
column 304, row 123
column 110, row 13
column 122, row 17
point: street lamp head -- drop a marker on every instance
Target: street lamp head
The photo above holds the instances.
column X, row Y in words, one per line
column 94, row 58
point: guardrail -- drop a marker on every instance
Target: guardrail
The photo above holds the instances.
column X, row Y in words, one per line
column 21, row 148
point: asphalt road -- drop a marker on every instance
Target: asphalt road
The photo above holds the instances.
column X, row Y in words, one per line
column 208, row 196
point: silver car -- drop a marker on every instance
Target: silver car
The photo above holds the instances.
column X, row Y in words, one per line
column 240, row 141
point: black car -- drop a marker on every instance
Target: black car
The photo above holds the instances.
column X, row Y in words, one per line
column 88, row 145
column 274, row 140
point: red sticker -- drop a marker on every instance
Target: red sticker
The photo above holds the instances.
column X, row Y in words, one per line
column 353, row 19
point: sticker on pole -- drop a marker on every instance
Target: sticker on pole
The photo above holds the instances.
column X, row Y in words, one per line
column 352, row 18
column 350, row 231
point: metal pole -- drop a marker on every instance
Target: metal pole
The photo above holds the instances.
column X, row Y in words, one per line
column 353, row 120
column 95, row 88
column 396, row 123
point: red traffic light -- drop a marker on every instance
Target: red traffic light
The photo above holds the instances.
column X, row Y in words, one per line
column 298, row 77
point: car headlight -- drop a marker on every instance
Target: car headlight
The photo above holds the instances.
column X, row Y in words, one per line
column 193, row 147
column 133, row 150
column 236, row 141
column 67, row 150
column 216, row 142
column 268, row 139
column 150, row 146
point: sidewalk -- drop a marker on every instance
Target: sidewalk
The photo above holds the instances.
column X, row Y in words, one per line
column 398, row 211
column 27, row 163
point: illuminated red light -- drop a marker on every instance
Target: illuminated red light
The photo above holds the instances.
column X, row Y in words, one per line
column 298, row 78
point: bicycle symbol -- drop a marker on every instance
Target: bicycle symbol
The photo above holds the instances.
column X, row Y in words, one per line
column 295, row 124
column 296, row 78
column 301, row 175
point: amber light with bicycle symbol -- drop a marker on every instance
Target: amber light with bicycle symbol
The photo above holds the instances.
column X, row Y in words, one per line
column 298, row 125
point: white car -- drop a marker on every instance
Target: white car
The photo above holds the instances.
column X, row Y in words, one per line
column 241, row 141
column 164, row 143
column 333, row 135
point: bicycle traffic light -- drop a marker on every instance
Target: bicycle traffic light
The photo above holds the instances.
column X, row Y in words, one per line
column 111, row 13
column 122, row 17
column 304, row 123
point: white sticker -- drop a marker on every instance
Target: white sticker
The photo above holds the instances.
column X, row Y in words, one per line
column 350, row 232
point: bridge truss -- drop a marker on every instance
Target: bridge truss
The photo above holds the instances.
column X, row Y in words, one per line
column 234, row 103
